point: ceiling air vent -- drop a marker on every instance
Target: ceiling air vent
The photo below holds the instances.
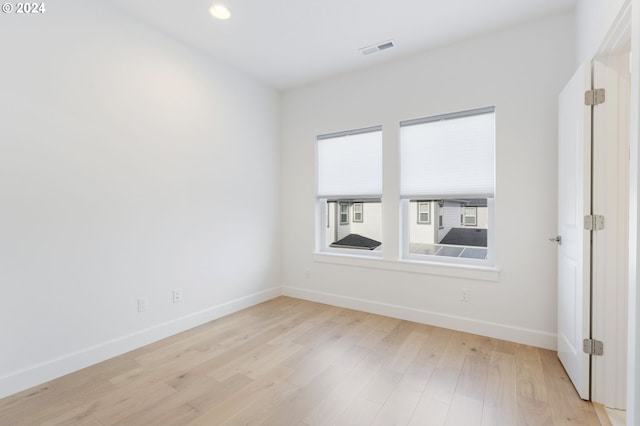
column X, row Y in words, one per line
column 377, row 47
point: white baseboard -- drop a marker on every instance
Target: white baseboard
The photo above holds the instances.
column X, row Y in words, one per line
column 525, row 336
column 37, row 374
column 34, row 375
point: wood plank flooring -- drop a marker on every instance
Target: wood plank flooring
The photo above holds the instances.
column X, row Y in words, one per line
column 293, row 362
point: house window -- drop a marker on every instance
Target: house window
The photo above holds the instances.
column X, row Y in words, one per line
column 349, row 181
column 470, row 216
column 424, row 212
column 344, row 213
column 357, row 212
column 449, row 161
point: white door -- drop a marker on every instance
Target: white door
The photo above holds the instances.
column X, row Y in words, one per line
column 574, row 202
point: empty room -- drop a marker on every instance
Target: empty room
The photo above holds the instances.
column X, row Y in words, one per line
column 319, row 213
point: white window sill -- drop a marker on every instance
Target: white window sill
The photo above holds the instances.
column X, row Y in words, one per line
column 483, row 273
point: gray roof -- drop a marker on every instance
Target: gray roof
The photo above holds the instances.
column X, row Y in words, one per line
column 476, row 202
column 466, row 237
column 356, row 241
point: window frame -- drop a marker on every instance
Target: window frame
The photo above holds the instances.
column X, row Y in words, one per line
column 406, row 199
column 322, row 242
column 355, row 206
column 475, row 215
column 323, row 237
column 342, row 204
column 428, row 212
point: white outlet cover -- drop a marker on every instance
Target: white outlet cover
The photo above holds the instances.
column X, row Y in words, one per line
column 464, row 295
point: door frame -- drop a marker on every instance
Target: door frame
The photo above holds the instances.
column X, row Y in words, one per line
column 609, row 375
column 609, row 247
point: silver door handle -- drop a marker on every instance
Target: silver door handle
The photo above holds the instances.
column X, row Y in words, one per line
column 557, row 239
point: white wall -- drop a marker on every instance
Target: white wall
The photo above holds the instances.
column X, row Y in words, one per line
column 520, row 71
column 129, row 165
column 593, row 21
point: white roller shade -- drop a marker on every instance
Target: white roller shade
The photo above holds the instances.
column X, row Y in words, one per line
column 349, row 165
column 448, row 156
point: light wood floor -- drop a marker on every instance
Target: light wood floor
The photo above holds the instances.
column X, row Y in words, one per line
column 292, row 362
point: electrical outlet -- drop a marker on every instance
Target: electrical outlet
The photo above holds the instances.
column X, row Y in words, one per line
column 143, row 304
column 464, row 295
column 177, row 295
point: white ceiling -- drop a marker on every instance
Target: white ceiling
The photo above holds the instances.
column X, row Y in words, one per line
column 286, row 43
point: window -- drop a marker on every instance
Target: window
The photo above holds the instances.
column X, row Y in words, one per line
column 349, row 181
column 448, row 160
column 357, row 212
column 470, row 216
column 344, row 213
column 424, row 212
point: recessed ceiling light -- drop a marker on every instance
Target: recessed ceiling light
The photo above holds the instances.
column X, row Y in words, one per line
column 219, row 11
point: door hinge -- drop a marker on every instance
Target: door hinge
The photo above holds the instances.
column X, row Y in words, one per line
column 594, row 222
column 594, row 97
column 593, row 347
